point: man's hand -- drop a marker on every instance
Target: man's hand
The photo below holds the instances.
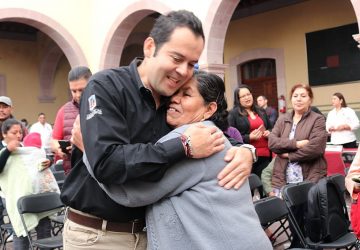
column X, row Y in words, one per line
column 76, row 135
column 238, row 169
column 205, row 140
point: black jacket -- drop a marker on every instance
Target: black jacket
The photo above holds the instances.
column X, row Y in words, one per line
column 242, row 123
column 120, row 125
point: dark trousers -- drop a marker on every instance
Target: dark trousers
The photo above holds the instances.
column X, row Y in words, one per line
column 43, row 230
column 350, row 145
column 260, row 164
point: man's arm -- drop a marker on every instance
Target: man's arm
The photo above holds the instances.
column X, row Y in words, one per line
column 57, row 133
column 111, row 152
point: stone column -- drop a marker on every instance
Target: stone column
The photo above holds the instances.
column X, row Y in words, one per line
column 218, row 69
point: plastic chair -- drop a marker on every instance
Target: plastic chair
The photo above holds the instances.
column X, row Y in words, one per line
column 38, row 203
column 295, row 197
column 273, row 210
column 256, row 184
column 6, row 228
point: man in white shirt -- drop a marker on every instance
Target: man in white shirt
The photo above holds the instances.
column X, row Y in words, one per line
column 45, row 130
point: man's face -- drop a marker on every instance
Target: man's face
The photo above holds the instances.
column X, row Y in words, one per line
column 5, row 111
column 261, row 101
column 41, row 119
column 76, row 88
column 173, row 64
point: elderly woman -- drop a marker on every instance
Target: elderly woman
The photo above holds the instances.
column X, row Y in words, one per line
column 253, row 124
column 299, row 140
column 187, row 208
column 341, row 123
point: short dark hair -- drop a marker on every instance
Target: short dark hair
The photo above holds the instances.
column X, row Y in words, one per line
column 41, row 113
column 341, row 97
column 166, row 24
column 8, row 123
column 212, row 89
column 78, row 73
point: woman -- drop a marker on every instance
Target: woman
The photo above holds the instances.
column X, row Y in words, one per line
column 189, row 209
column 352, row 182
column 253, row 124
column 341, row 123
column 16, row 181
column 299, row 140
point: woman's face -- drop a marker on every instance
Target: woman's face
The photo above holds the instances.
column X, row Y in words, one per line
column 186, row 106
column 300, row 100
column 14, row 133
column 336, row 102
column 246, row 98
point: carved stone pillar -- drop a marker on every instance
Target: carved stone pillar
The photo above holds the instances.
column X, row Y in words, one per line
column 218, row 69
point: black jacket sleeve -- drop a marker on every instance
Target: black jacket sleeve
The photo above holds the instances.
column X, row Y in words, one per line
column 4, row 155
column 110, row 150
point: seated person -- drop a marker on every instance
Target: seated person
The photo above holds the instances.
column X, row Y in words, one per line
column 24, row 171
column 187, row 208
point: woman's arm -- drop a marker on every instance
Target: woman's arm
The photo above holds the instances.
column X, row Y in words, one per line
column 279, row 144
column 354, row 171
column 241, row 123
column 4, row 155
column 353, row 120
column 316, row 145
column 177, row 179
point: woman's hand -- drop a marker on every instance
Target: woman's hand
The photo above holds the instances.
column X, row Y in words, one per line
column 266, row 133
column 284, row 155
column 46, row 163
column 343, row 127
column 302, row 143
column 255, row 135
column 12, row 145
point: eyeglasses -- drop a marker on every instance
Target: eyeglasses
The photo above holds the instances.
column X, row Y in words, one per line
column 246, row 95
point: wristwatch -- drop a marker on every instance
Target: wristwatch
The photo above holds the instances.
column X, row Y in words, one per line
column 252, row 149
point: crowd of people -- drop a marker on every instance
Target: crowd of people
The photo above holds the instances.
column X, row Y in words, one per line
column 152, row 144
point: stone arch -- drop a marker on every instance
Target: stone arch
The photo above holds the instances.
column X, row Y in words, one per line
column 50, row 27
column 277, row 54
column 64, row 44
column 122, row 27
column 215, row 27
column 48, row 66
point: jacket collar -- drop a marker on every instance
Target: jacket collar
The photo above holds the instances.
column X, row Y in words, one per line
column 289, row 116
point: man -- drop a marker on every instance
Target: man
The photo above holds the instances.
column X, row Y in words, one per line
column 77, row 78
column 45, row 130
column 5, row 110
column 262, row 102
column 122, row 115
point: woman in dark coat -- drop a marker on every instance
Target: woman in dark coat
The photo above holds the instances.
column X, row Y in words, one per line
column 253, row 124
